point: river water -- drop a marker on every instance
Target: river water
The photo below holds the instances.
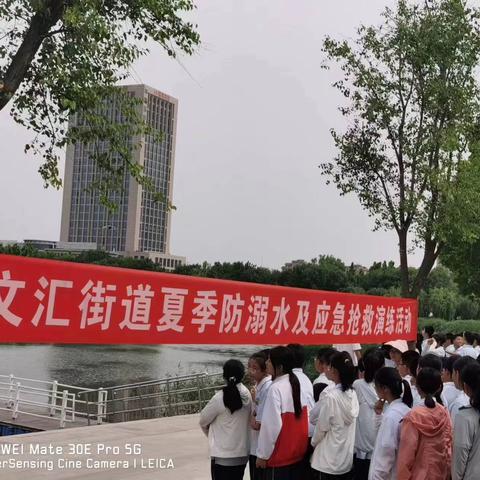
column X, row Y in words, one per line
column 95, row 366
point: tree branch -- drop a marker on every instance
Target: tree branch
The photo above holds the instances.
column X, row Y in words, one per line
column 39, row 27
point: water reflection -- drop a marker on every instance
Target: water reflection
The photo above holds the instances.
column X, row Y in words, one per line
column 97, row 366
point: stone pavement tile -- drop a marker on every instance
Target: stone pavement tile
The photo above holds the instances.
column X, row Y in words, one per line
column 177, row 438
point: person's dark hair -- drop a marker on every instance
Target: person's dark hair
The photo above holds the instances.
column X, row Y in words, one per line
column 260, row 359
column 361, row 366
column 410, row 360
column 429, row 382
column 298, row 354
column 284, row 357
column 448, row 363
column 318, row 388
column 439, row 338
column 429, row 330
column 324, row 354
column 450, row 336
column 430, row 361
column 469, row 337
column 385, row 349
column 233, row 372
column 390, row 378
column 342, row 362
column 373, row 360
column 419, row 342
column 266, row 352
column 471, row 376
column 462, row 362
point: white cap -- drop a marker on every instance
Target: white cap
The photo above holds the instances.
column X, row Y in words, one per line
column 400, row 345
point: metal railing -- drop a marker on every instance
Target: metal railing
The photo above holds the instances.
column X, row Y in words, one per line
column 48, row 399
column 67, row 403
column 158, row 398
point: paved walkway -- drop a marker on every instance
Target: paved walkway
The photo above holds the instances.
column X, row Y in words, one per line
column 176, row 438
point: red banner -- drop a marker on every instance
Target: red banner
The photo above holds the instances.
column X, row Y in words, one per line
column 47, row 301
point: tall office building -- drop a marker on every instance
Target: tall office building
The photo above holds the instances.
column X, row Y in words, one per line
column 140, row 227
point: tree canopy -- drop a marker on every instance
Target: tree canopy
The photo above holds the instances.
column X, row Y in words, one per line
column 60, row 57
column 412, row 106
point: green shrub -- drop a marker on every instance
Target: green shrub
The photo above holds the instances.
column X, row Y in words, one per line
column 443, row 302
column 459, row 326
column 467, row 308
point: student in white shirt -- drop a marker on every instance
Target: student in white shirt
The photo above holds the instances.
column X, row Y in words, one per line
column 283, row 438
column 366, row 433
column 407, row 368
column 322, row 362
column 408, row 371
column 427, row 361
column 427, row 333
column 462, row 399
column 306, row 391
column 476, row 344
column 450, row 391
column 437, row 346
column 225, row 421
column 395, row 392
column 468, row 349
column 353, row 349
column 257, row 368
column 448, row 344
column 397, row 347
column 334, row 435
column 466, row 433
column 306, row 387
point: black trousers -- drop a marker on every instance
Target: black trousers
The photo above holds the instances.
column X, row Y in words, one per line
column 308, row 473
column 360, row 468
column 222, row 472
column 290, row 472
column 328, row 476
column 255, row 473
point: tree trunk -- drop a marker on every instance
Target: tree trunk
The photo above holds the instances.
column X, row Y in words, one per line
column 404, row 273
column 429, row 258
column 40, row 25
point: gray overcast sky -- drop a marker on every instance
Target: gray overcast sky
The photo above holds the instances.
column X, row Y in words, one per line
column 255, row 110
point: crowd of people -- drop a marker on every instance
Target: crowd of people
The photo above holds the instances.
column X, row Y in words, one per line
column 386, row 413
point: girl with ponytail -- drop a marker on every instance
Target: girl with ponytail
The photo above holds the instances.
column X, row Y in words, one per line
column 366, row 433
column 334, row 435
column 396, row 393
column 466, row 444
column 426, row 435
column 283, row 438
column 225, row 421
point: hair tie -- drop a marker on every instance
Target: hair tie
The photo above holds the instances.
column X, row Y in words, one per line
column 347, row 360
column 232, row 379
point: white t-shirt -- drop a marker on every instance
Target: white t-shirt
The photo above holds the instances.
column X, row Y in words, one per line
column 383, row 465
column 228, row 433
column 366, row 431
column 350, row 348
column 450, row 350
column 334, row 435
column 467, row 350
column 461, row 401
column 261, row 391
column 322, row 378
column 450, row 394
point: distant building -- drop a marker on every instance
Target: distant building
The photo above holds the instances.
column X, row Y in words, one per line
column 293, row 264
column 140, row 227
column 52, row 245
